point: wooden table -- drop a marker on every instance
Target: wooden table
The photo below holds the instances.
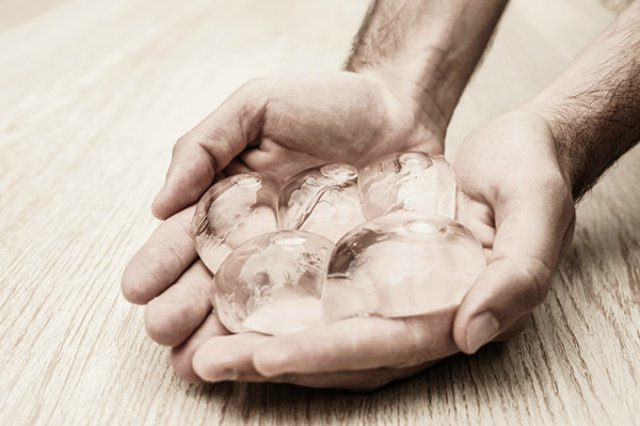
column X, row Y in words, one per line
column 92, row 96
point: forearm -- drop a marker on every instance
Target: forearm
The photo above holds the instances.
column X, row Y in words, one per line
column 593, row 108
column 426, row 49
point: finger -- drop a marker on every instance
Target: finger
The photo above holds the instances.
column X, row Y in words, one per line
column 359, row 343
column 161, row 260
column 229, row 357
column 182, row 356
column 278, row 160
column 209, row 147
column 172, row 316
column 528, row 239
column 477, row 217
column 235, row 167
column 360, row 380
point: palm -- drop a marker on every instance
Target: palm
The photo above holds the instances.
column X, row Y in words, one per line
column 513, row 156
column 280, row 126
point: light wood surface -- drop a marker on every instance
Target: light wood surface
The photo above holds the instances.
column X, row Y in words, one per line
column 92, row 96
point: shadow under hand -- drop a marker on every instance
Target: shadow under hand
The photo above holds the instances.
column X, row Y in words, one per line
column 445, row 390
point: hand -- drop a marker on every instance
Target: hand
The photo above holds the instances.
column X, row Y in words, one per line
column 276, row 125
column 515, row 198
column 284, row 125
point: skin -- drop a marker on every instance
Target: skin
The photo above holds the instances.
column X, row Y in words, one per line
column 517, row 175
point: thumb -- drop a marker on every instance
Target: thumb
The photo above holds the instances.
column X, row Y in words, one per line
column 531, row 230
column 208, row 148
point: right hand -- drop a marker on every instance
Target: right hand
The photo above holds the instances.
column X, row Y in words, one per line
column 518, row 202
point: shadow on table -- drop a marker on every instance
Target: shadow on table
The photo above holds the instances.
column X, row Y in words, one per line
column 454, row 381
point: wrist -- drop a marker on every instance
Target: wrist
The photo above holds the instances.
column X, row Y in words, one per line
column 425, row 51
column 431, row 105
column 588, row 134
column 577, row 130
column 592, row 108
column 543, row 108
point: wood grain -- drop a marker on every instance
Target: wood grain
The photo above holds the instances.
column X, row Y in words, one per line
column 93, row 95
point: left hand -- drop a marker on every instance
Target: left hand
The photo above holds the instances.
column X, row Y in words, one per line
column 279, row 125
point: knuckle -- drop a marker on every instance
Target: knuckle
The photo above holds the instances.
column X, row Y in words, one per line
column 161, row 263
column 247, row 87
column 410, row 359
column 202, row 161
column 253, row 97
column 181, row 224
column 158, row 322
column 417, row 351
column 182, row 141
column 167, row 258
column 253, row 85
column 169, row 322
column 250, row 96
column 219, row 141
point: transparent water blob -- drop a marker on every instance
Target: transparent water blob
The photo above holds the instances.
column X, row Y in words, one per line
column 323, row 200
column 272, row 284
column 409, row 181
column 401, row 265
column 233, row 211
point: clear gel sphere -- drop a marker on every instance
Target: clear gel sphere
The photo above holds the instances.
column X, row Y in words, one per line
column 272, row 284
column 323, row 200
column 409, row 182
column 401, row 265
column 233, row 211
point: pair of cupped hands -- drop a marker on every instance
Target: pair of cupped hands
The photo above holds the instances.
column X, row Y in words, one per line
column 513, row 195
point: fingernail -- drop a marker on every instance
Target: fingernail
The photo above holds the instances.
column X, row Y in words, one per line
column 226, row 374
column 482, row 329
column 271, row 363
